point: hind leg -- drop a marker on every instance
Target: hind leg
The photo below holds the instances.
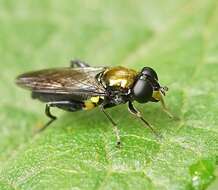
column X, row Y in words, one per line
column 78, row 63
column 65, row 105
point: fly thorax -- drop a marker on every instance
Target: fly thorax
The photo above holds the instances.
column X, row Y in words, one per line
column 119, row 78
column 117, row 99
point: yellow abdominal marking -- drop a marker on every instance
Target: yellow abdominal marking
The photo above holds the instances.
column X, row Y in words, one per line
column 91, row 103
column 157, row 95
column 95, row 99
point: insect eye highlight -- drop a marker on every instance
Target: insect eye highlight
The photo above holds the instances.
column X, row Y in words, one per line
column 142, row 90
column 148, row 71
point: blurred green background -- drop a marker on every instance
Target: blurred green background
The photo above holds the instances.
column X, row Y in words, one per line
column 178, row 38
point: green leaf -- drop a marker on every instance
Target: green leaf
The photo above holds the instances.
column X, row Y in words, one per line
column 177, row 38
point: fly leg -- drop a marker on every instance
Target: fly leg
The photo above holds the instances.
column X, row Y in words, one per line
column 78, row 63
column 48, row 113
column 164, row 107
column 116, row 131
column 66, row 105
column 136, row 113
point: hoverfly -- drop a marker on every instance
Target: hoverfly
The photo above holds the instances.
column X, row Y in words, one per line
column 81, row 87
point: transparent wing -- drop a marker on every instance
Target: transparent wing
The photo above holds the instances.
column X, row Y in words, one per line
column 63, row 81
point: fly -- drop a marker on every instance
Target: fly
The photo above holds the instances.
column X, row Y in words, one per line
column 81, row 87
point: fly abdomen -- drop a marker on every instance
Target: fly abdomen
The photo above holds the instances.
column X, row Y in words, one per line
column 51, row 97
column 71, row 106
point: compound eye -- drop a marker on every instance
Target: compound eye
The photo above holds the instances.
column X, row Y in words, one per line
column 148, row 71
column 142, row 91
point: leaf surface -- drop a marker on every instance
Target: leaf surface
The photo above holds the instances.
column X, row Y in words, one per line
column 177, row 38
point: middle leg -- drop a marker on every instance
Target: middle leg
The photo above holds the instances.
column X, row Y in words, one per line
column 116, row 131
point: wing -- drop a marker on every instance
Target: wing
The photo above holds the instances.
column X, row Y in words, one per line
column 63, row 81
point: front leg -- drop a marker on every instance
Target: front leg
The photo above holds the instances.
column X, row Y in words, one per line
column 78, row 63
column 164, row 107
column 136, row 113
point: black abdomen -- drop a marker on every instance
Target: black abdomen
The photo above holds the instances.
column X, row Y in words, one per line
column 60, row 99
column 55, row 97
